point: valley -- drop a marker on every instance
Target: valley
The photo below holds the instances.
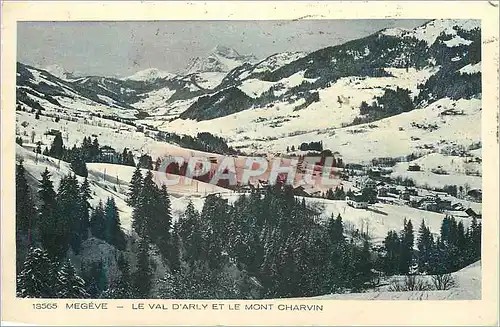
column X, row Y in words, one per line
column 399, row 112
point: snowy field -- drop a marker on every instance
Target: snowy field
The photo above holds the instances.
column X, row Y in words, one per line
column 468, row 287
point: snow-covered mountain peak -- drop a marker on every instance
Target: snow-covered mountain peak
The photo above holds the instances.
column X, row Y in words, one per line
column 395, row 31
column 149, row 74
column 225, row 51
column 58, row 72
column 220, row 59
column 431, row 30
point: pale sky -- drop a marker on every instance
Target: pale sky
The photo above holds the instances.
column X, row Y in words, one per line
column 123, row 48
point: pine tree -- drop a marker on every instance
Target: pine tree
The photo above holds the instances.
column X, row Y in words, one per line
column 53, row 233
column 57, row 147
column 135, row 187
column 363, row 274
column 161, row 221
column 79, row 166
column 98, row 222
column 392, row 245
column 121, row 289
column 336, row 249
column 113, row 233
column 461, row 245
column 83, row 209
column 95, row 277
column 69, row 224
column 95, row 150
column 190, row 233
column 143, row 274
column 157, row 164
column 474, row 241
column 175, row 250
column 69, row 284
column 425, row 244
column 407, row 242
column 130, row 159
column 35, row 280
column 445, row 229
column 215, row 221
column 146, row 162
column 86, row 149
column 25, row 210
column 145, row 208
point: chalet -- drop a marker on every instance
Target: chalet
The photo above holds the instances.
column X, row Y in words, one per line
column 412, row 191
column 457, row 213
column 106, row 150
column 300, row 191
column 429, row 198
column 384, row 161
column 53, row 132
column 457, row 206
column 443, row 204
column 405, row 195
column 416, row 201
column 393, row 190
column 382, row 191
column 413, row 167
column 354, row 166
column 471, row 213
column 365, row 182
column 357, row 201
column 374, row 172
column 429, row 206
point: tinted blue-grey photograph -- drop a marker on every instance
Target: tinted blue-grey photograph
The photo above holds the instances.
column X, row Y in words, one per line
column 302, row 159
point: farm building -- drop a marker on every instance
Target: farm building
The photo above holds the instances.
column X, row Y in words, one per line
column 357, row 201
column 413, row 167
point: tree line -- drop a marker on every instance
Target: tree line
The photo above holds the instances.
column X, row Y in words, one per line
column 267, row 244
column 454, row 248
column 59, row 221
column 89, row 151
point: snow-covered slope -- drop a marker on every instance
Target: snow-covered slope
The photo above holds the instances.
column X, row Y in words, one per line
column 430, row 31
column 100, row 189
column 39, row 90
column 468, row 287
column 290, row 98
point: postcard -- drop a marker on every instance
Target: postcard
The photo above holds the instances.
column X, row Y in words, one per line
column 250, row 163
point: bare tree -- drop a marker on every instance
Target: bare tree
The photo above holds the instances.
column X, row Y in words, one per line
column 410, row 283
column 443, row 281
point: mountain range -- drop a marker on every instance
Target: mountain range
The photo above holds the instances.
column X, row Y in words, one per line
column 287, row 94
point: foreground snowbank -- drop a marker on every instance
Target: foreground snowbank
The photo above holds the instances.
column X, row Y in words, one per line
column 468, row 287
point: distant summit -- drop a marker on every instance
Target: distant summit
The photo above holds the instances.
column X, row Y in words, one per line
column 220, row 59
column 149, row 75
column 60, row 72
